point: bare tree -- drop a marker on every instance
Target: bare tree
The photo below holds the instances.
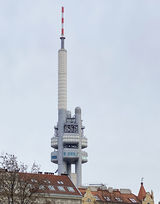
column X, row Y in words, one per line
column 16, row 185
column 8, row 177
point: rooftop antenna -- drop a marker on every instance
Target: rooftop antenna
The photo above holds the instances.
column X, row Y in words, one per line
column 62, row 29
column 142, row 179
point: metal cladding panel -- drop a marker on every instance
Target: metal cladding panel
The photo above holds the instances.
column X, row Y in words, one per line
column 62, row 79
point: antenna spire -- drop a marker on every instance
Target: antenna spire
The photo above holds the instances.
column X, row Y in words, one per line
column 142, row 179
column 62, row 29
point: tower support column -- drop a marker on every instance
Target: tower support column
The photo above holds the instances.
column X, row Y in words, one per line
column 61, row 121
column 78, row 166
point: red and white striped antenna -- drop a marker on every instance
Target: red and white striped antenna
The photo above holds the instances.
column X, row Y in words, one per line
column 62, row 29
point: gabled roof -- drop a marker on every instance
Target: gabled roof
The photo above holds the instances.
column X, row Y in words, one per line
column 142, row 192
column 115, row 197
column 51, row 184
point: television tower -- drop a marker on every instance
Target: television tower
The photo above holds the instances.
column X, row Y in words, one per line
column 69, row 140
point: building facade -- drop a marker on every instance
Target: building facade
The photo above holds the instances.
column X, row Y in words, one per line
column 102, row 194
column 37, row 188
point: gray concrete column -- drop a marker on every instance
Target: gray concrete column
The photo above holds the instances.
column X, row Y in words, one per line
column 69, row 169
column 61, row 121
column 78, row 166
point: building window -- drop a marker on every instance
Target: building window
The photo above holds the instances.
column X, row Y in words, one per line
column 47, row 181
column 60, row 182
column 50, row 187
column 133, row 200
column 61, row 188
column 41, row 187
column 96, row 197
column 71, row 189
column 118, row 199
column 107, row 198
column 34, row 180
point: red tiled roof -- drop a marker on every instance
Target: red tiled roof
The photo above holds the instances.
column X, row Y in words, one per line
column 48, row 180
column 114, row 197
column 142, row 192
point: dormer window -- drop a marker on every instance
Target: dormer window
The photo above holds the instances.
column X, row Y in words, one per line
column 70, row 189
column 133, row 200
column 107, row 198
column 118, row 199
column 60, row 182
column 61, row 188
column 50, row 187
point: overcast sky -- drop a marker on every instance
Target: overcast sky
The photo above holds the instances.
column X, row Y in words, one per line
column 113, row 75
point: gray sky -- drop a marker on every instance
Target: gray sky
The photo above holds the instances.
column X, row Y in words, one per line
column 113, row 75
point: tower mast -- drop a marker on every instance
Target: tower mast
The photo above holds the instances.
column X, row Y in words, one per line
column 62, row 71
column 69, row 140
column 62, row 29
column 62, row 96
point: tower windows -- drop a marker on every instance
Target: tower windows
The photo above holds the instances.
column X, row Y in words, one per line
column 73, row 146
column 71, row 128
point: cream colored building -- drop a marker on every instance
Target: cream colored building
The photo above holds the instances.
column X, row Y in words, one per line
column 102, row 194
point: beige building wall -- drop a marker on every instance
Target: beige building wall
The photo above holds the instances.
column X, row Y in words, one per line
column 149, row 199
column 58, row 200
column 88, row 197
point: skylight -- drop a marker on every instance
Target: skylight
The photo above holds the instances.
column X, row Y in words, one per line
column 47, row 181
column 96, row 197
column 50, row 187
column 132, row 200
column 70, row 189
column 107, row 198
column 60, row 182
column 34, row 180
column 30, row 185
column 118, row 199
column 61, row 188
column 41, row 187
